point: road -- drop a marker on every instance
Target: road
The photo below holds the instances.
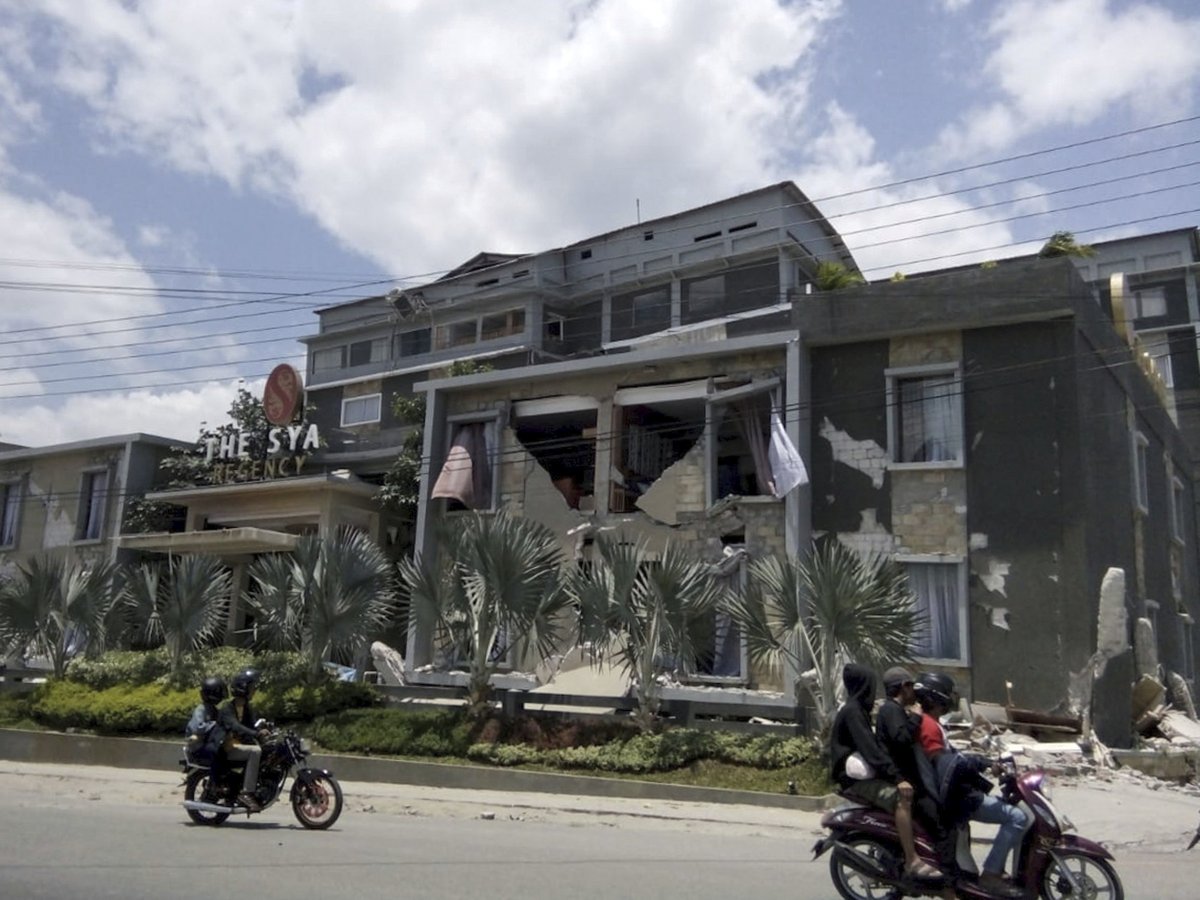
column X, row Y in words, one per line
column 70, row 835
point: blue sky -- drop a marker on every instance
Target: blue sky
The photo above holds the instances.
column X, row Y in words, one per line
column 183, row 183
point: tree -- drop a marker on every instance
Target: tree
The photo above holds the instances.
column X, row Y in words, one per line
column 326, row 598
column 833, row 276
column 182, row 603
column 490, row 586
column 816, row 614
column 53, row 609
column 644, row 613
column 1063, row 243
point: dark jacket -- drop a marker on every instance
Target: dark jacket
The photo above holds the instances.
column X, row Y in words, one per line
column 205, row 734
column 852, row 729
column 896, row 729
column 239, row 727
column 961, row 786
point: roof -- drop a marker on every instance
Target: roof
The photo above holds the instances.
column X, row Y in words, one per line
column 482, row 260
column 91, row 444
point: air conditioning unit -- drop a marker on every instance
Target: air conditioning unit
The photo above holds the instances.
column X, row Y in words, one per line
column 407, row 303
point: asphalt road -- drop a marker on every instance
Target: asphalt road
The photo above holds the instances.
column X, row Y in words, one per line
column 71, row 836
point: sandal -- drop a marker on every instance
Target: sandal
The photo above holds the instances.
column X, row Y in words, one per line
column 923, row 870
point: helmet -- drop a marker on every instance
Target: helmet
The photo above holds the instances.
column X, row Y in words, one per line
column 213, row 690
column 244, row 682
column 935, row 688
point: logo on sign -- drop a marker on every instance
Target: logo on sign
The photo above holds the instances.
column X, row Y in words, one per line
column 281, row 396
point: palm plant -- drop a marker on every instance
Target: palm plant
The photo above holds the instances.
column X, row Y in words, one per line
column 1063, row 243
column 644, row 614
column 812, row 616
column 181, row 604
column 326, row 598
column 834, row 276
column 491, row 584
column 50, row 608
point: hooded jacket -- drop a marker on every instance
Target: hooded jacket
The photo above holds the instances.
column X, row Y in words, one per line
column 852, row 730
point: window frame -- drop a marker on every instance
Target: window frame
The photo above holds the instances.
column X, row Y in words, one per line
column 87, row 501
column 1141, row 472
column 492, row 419
column 893, row 377
column 443, row 338
column 12, row 494
column 1177, row 504
column 401, row 353
column 372, row 345
column 346, row 401
column 773, row 387
column 340, row 350
column 1188, row 637
column 740, row 575
column 963, row 602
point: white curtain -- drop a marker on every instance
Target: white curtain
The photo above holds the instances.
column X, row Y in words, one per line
column 8, row 515
column 931, row 421
column 936, row 586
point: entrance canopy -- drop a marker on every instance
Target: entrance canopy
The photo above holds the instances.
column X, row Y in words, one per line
column 216, row 542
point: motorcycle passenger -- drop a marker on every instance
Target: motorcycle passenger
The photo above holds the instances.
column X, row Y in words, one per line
column 204, row 732
column 896, row 727
column 962, row 789
column 241, row 742
column 885, row 788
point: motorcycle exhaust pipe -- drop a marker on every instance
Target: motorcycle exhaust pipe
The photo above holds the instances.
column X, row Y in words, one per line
column 201, row 806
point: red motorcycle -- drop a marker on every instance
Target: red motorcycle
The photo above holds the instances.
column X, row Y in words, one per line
column 867, row 863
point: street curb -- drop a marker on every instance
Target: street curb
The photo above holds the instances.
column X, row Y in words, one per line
column 143, row 753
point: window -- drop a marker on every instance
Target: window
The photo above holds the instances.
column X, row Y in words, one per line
column 468, row 478
column 361, row 410
column 1189, row 647
column 554, row 328
column 364, row 352
column 498, row 325
column 560, row 433
column 413, row 343
column 10, row 513
column 654, row 428
column 925, row 416
column 720, row 651
column 641, row 313
column 328, row 359
column 732, row 292
column 1178, row 510
column 93, row 496
column 748, row 449
column 940, row 590
column 1149, row 302
column 1158, row 348
column 1141, row 483
column 456, row 334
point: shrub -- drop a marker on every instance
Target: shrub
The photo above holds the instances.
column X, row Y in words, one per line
column 147, row 708
column 119, row 667
column 305, row 702
column 443, row 732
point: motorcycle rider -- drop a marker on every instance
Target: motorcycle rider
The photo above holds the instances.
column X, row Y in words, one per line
column 888, row 789
column 204, row 732
column 241, row 741
column 960, row 786
column 896, row 727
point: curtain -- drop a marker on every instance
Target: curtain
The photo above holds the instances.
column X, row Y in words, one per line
column 754, row 424
column 97, row 495
column 787, row 466
column 936, row 586
column 8, row 515
column 466, row 475
column 932, row 429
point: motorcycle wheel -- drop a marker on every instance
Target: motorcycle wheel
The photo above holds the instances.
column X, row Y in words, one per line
column 1097, row 878
column 196, row 788
column 317, row 803
column 854, row 885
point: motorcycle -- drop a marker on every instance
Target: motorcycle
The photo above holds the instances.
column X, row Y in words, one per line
column 210, row 792
column 1048, row 862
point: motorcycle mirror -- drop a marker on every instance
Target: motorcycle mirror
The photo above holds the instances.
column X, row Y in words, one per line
column 261, row 723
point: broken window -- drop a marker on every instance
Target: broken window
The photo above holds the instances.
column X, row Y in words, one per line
column 467, row 478
column 940, row 590
column 651, row 435
column 502, row 324
column 560, row 433
column 93, row 497
column 749, row 450
column 925, row 415
column 643, row 312
column 456, row 334
column 726, row 293
column 10, row 511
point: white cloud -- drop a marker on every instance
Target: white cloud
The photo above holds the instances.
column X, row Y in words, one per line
column 420, row 134
column 168, row 413
column 1075, row 61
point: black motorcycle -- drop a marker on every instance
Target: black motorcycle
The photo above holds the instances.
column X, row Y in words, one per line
column 210, row 792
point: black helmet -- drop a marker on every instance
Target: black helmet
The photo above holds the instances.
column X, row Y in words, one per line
column 213, row 690
column 935, row 688
column 244, row 682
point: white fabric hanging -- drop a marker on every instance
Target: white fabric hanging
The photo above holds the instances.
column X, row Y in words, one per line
column 787, row 468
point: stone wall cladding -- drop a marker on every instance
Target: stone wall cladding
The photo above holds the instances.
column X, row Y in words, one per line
column 929, row 511
column 925, row 349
